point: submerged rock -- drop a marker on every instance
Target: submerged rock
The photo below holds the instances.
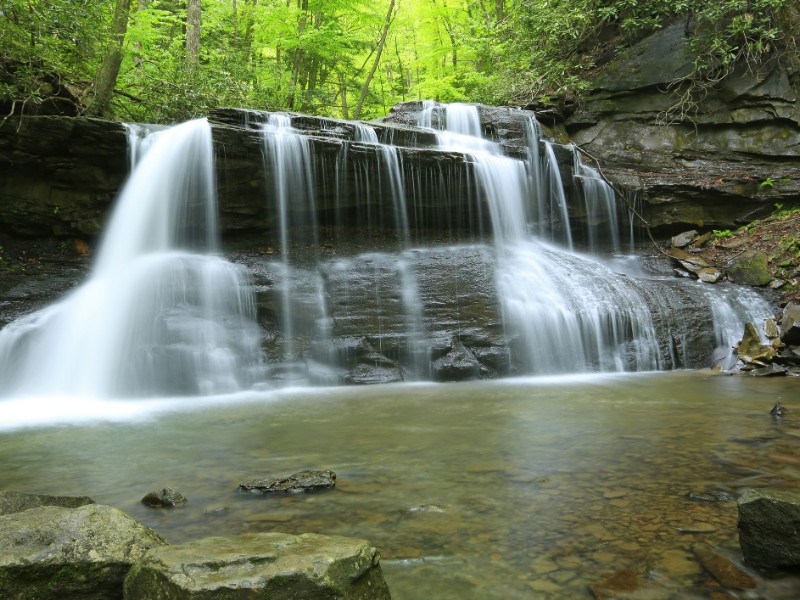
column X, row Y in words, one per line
column 164, row 497
column 711, row 496
column 778, row 410
column 769, row 528
column 262, row 565
column 70, row 553
column 303, row 481
column 14, row 502
column 727, row 573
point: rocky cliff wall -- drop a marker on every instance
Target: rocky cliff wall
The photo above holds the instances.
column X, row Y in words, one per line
column 719, row 161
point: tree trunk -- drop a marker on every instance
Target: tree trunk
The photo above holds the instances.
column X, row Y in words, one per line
column 137, row 59
column 299, row 55
column 193, row 11
column 343, row 88
column 378, row 53
column 106, row 79
column 499, row 10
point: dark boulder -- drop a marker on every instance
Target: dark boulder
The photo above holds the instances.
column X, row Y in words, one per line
column 165, row 497
column 769, row 528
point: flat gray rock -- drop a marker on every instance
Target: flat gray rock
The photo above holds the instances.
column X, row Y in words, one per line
column 14, row 502
column 275, row 566
column 303, row 481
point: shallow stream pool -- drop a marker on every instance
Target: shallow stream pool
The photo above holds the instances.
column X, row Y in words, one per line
column 526, row 488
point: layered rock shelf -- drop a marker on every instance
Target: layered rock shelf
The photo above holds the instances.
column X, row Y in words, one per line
column 716, row 157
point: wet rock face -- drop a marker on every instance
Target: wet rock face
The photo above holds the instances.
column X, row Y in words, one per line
column 264, row 565
column 59, row 175
column 769, row 528
column 713, row 166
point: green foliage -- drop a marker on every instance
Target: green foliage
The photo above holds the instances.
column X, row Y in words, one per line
column 314, row 55
column 781, row 213
column 721, row 234
column 48, row 44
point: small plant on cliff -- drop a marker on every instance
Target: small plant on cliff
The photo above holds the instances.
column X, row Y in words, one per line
column 721, row 234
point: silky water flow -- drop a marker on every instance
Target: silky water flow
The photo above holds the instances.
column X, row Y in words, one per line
column 164, row 314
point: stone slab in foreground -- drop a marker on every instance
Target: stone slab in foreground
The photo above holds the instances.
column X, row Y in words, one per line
column 14, row 502
column 769, row 528
column 70, row 553
column 277, row 566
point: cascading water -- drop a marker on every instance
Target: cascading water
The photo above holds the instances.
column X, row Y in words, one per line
column 566, row 312
column 600, row 204
column 289, row 157
column 161, row 314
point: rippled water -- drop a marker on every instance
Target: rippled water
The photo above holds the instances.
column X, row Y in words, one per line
column 535, row 488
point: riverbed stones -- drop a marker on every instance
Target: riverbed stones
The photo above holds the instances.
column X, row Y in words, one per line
column 260, row 565
column 14, row 502
column 769, row 528
column 750, row 268
column 79, row 553
column 302, row 481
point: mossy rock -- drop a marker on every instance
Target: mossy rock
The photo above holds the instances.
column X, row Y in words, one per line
column 277, row 566
column 82, row 553
column 750, row 268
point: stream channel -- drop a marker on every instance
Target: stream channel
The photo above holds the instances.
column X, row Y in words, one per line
column 520, row 488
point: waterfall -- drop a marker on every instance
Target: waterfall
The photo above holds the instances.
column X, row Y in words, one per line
column 161, row 313
column 289, row 157
column 390, row 170
column 523, row 275
column 566, row 312
column 600, row 205
column 557, row 217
